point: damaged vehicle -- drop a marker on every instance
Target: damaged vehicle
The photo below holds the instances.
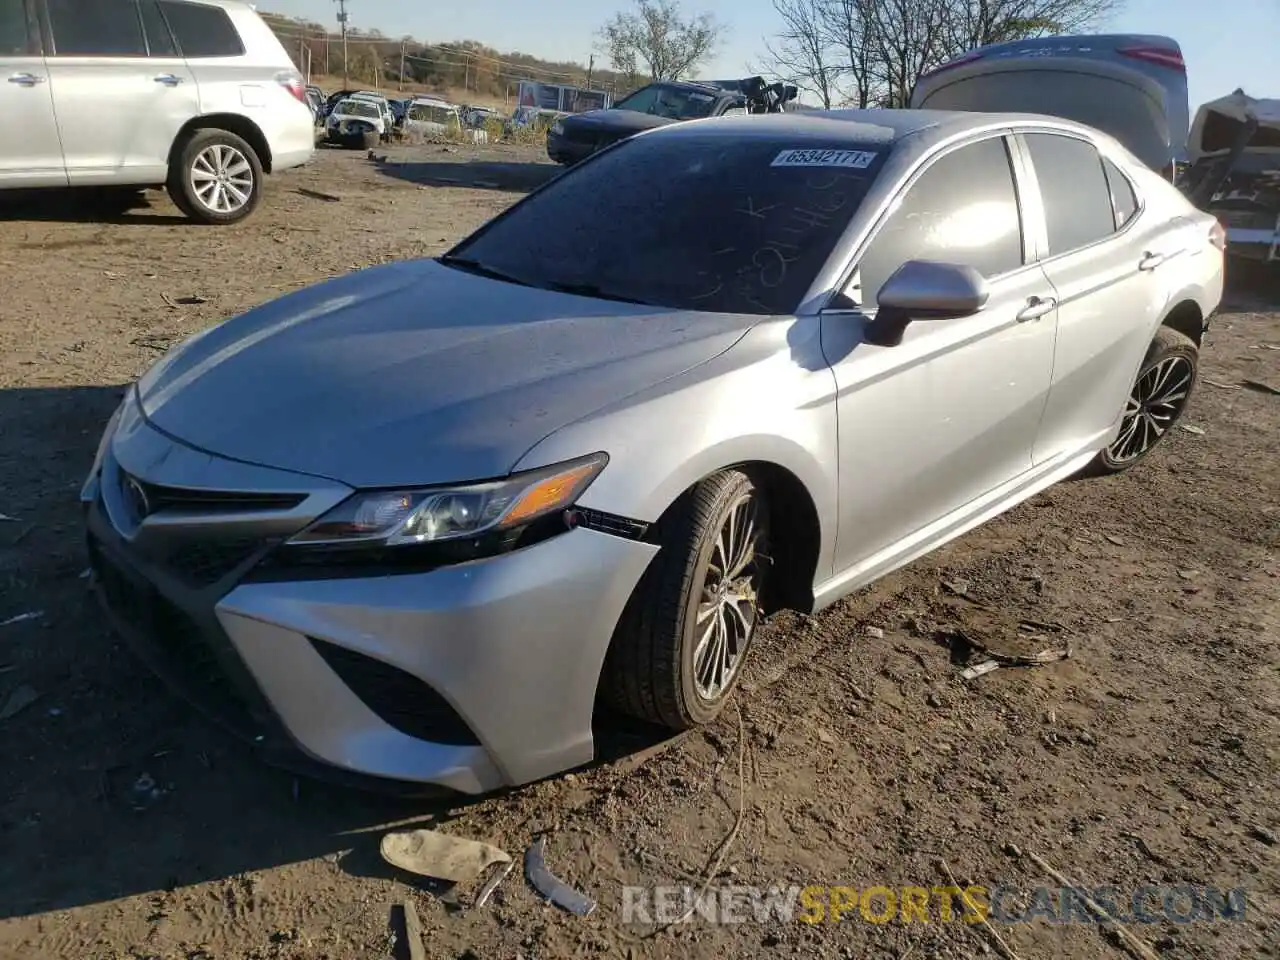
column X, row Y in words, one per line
column 1235, row 172
column 575, row 137
column 417, row 522
column 356, row 122
column 1132, row 86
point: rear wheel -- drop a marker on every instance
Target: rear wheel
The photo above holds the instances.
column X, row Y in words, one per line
column 216, row 177
column 680, row 645
column 1157, row 401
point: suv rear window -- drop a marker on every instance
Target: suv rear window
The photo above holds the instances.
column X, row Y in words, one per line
column 689, row 221
column 202, row 31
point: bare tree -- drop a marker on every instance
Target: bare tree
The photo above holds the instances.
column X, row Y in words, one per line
column 658, row 35
column 802, row 53
column 871, row 53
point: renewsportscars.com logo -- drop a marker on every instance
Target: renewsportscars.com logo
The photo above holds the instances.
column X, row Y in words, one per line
column 1149, row 903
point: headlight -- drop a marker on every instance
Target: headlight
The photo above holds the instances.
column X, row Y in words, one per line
column 389, row 518
column 557, row 128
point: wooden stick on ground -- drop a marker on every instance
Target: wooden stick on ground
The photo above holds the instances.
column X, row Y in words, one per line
column 413, row 932
column 1136, row 946
column 1004, row 947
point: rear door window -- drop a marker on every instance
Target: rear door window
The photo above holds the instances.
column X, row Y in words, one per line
column 1074, row 189
column 1123, row 200
column 96, row 28
column 16, row 39
column 201, row 30
column 159, row 39
column 962, row 209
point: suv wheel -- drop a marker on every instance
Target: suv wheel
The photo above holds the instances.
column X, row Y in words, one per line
column 216, row 177
column 681, row 642
column 1157, row 401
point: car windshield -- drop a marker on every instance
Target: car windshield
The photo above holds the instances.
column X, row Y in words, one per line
column 358, row 108
column 703, row 222
column 432, row 113
column 672, row 102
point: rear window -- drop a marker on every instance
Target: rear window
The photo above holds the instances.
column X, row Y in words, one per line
column 695, row 222
column 675, row 103
column 202, row 31
column 358, row 108
column 1112, row 106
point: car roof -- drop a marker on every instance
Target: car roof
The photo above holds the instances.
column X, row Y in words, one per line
column 864, row 126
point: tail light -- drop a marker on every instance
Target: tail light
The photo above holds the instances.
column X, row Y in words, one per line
column 292, row 81
column 1218, row 235
column 1161, row 56
column 957, row 62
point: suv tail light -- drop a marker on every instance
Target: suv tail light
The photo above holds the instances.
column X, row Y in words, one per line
column 292, row 81
column 1218, row 235
column 1161, row 56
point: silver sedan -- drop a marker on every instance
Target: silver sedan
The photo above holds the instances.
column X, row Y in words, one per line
column 416, row 523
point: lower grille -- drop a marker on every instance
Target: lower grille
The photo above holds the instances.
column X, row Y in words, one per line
column 200, row 563
column 400, row 699
column 173, row 644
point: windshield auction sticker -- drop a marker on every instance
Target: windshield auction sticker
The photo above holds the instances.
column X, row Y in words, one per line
column 848, row 159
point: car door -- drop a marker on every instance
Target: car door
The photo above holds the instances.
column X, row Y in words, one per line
column 952, row 412
column 120, row 93
column 33, row 158
column 1108, row 267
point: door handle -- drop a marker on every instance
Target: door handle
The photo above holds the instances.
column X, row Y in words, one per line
column 26, row 79
column 1150, row 261
column 168, row 79
column 1036, row 308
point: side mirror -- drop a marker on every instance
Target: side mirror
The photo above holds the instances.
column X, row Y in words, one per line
column 925, row 290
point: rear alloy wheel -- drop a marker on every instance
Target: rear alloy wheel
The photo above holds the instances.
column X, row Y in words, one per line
column 216, row 177
column 1157, row 401
column 679, row 649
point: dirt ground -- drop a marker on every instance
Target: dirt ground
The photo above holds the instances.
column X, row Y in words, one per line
column 132, row 828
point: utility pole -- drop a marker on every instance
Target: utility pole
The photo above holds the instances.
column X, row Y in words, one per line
column 342, row 21
column 402, row 46
column 591, row 66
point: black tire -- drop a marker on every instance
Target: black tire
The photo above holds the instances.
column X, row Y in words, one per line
column 370, row 139
column 649, row 670
column 1168, row 347
column 182, row 189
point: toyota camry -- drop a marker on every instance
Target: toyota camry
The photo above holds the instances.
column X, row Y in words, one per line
column 418, row 522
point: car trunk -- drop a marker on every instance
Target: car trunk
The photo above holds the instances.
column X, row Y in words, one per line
column 1131, row 87
column 1235, row 170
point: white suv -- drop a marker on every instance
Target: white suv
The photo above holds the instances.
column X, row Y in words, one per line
column 195, row 95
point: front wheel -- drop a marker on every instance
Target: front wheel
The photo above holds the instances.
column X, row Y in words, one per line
column 1157, row 401
column 216, row 177
column 679, row 648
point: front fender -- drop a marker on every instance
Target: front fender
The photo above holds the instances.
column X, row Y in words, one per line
column 768, row 399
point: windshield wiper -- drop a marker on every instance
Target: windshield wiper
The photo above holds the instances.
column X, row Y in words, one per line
column 591, row 290
column 476, row 267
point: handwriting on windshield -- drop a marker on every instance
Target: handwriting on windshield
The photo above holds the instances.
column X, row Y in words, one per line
column 784, row 234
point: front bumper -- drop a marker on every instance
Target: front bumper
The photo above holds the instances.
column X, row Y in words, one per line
column 469, row 677
column 568, row 152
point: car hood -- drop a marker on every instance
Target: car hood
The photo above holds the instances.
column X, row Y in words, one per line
column 416, row 373
column 615, row 121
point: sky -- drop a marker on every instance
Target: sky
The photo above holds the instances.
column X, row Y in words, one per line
column 1226, row 43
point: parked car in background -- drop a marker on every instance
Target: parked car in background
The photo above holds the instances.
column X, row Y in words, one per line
column 383, row 105
column 575, row 137
column 356, row 122
column 478, row 117
column 197, row 96
column 1235, row 172
column 432, row 118
column 1132, row 86
column 533, row 119
column 658, row 408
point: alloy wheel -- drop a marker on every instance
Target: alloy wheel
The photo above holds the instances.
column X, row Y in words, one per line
column 1157, row 400
column 222, row 178
column 727, row 609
